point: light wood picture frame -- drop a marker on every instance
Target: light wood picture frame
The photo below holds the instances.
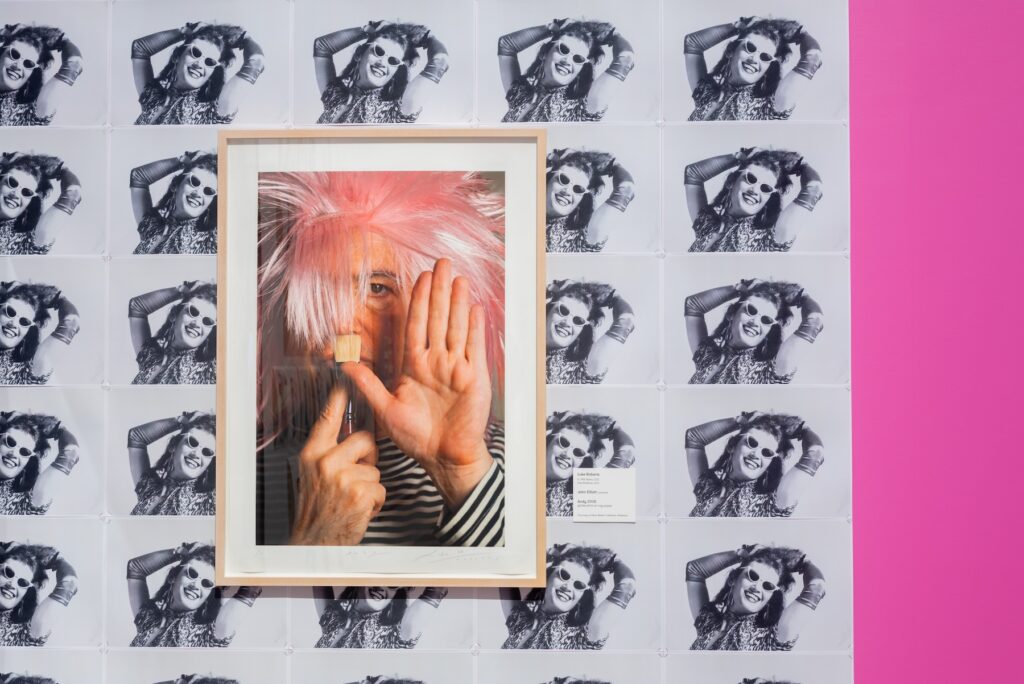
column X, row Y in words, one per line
column 299, row 213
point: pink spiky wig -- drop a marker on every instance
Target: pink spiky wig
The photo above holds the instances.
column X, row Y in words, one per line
column 313, row 227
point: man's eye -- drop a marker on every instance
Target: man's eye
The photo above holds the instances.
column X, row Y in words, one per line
column 379, row 289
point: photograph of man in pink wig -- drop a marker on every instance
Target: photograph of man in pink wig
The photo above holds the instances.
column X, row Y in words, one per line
column 406, row 445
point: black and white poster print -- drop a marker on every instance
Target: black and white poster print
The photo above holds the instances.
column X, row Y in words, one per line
column 200, row 62
column 568, row 668
column 161, row 666
column 383, row 63
column 732, row 668
column 757, row 188
column 163, row 195
column 50, row 582
column 163, row 321
column 603, row 592
column 602, row 427
column 601, row 323
column 169, row 598
column 52, row 197
column 781, row 585
column 752, row 60
column 161, row 457
column 53, row 60
column 51, row 321
column 601, row 189
column 50, row 666
column 763, row 452
column 741, row 319
column 577, row 61
column 52, row 446
column 389, row 667
column 421, row 618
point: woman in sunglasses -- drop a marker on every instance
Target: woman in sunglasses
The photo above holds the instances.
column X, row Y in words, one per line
column 182, row 480
column 184, row 221
column 560, row 84
column 27, row 96
column 184, row 350
column 753, row 477
column 188, row 609
column 26, row 356
column 374, row 617
column 750, row 213
column 749, row 346
column 375, row 87
column 580, row 440
column 193, row 87
column 26, row 180
column 25, row 569
column 575, row 178
column 747, row 83
column 751, row 612
column 565, row 615
column 574, row 310
column 30, row 466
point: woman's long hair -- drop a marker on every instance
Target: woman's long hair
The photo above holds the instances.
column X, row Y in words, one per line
column 225, row 37
column 40, row 297
column 47, row 40
column 782, row 294
column 593, row 295
column 594, row 426
column 780, row 426
column 342, row 87
column 154, row 479
column 588, row 32
column 37, row 557
column 345, row 607
column 12, row 678
column 594, row 559
column 593, row 164
column 717, row 80
column 161, row 342
column 154, row 611
column 42, row 429
column 44, row 169
column 779, row 162
column 784, row 561
column 165, row 207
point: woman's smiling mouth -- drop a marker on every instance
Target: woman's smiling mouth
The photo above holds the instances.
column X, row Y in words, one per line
column 12, row 201
column 194, row 200
column 563, row 69
column 193, row 330
column 750, row 66
column 563, row 461
column 14, row 73
column 563, row 199
column 195, row 71
column 10, row 331
column 191, row 593
column 563, row 594
column 10, row 460
column 752, row 595
column 377, row 593
column 752, row 329
column 9, row 592
column 752, row 462
column 751, row 197
column 192, row 461
column 563, row 330
column 378, row 70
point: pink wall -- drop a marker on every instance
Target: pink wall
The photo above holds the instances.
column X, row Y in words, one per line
column 938, row 185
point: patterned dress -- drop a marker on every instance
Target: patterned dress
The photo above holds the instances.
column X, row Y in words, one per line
column 14, row 113
column 17, row 503
column 530, row 101
column 181, row 107
column 175, row 368
column 159, row 495
column 529, row 627
column 179, row 629
column 720, row 630
column 561, row 238
column 19, row 244
column 717, row 100
column 563, row 371
column 352, row 105
column 559, row 499
column 160, row 235
column 17, row 634
column 718, row 232
column 723, row 365
column 18, row 372
column 719, row 496
column 367, row 632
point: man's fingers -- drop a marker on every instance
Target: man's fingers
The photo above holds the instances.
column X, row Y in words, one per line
column 440, row 301
column 476, row 342
column 353, row 449
column 416, row 325
column 372, row 388
column 324, row 433
column 458, row 319
column 373, row 493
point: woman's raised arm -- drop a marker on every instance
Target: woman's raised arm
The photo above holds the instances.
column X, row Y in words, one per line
column 141, row 567
column 799, row 611
column 699, row 173
column 623, row 60
column 328, row 45
column 796, row 82
column 66, row 459
column 144, row 48
column 614, row 338
column 796, row 214
column 623, row 455
column 70, row 69
column 811, row 324
column 618, row 600
column 420, row 611
column 437, row 65
column 232, row 611
column 697, row 573
column 799, row 476
column 252, row 67
column 68, row 325
column 142, row 177
column 139, row 439
column 511, row 44
column 46, row 612
column 697, row 440
column 55, row 219
column 139, row 309
column 697, row 305
column 623, row 192
column 694, row 46
column 510, row 598
column 322, row 598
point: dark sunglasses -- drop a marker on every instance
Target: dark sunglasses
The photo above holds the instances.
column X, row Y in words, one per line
column 380, row 52
column 754, row 577
column 751, row 310
column 191, row 442
column 193, row 311
column 191, row 573
column 16, row 55
column 10, row 443
column 9, row 574
column 11, row 313
column 751, row 442
column 193, row 181
column 564, row 49
column 12, row 182
column 563, row 443
column 564, row 576
column 195, row 53
column 564, row 180
column 750, row 48
column 751, row 179
column 563, row 310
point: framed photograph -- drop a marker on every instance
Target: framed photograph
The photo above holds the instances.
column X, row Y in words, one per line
column 380, row 383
